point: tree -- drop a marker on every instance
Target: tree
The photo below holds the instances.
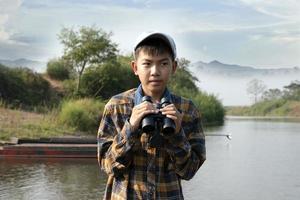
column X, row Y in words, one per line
column 102, row 81
column 255, row 88
column 292, row 91
column 88, row 45
column 58, row 69
column 272, row 94
column 183, row 82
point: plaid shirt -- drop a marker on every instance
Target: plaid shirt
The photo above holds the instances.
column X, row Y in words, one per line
column 137, row 171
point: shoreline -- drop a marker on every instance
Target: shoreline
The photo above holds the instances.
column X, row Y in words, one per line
column 259, row 117
column 266, row 118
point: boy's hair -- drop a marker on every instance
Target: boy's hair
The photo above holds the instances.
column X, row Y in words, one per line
column 154, row 46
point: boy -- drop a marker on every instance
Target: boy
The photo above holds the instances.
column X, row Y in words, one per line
column 137, row 170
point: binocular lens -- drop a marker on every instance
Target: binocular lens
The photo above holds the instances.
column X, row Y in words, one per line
column 148, row 124
column 169, row 126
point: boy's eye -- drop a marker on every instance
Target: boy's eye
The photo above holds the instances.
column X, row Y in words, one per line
column 165, row 63
column 146, row 63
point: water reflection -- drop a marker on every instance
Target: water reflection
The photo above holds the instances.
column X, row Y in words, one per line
column 51, row 179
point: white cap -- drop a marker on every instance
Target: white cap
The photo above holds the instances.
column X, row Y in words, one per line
column 155, row 34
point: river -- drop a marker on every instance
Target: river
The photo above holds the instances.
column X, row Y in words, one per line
column 260, row 162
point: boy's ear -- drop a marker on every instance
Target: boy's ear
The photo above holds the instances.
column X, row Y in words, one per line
column 134, row 67
column 174, row 67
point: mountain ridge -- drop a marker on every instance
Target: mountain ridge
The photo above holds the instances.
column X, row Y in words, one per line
column 37, row 66
column 216, row 67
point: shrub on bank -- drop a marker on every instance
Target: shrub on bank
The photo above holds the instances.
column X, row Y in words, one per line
column 211, row 109
column 82, row 114
column 108, row 79
column 58, row 69
column 266, row 107
column 23, row 88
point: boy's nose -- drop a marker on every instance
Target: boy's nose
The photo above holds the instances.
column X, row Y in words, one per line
column 155, row 70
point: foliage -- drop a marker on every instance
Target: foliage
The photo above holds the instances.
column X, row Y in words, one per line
column 266, row 107
column 276, row 107
column 210, row 107
column 21, row 87
column 237, row 110
column 88, row 45
column 107, row 79
column 292, row 91
column 82, row 114
column 272, row 94
column 69, row 86
column 182, row 82
column 58, row 69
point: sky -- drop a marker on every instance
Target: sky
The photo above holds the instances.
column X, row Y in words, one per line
column 258, row 33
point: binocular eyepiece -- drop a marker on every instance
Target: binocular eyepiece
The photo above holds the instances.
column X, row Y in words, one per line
column 153, row 122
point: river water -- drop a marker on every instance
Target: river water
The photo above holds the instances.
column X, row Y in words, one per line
column 260, row 162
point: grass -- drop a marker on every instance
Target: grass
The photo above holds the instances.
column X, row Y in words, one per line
column 22, row 124
column 274, row 108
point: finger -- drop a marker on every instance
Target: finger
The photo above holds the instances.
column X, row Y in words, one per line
column 144, row 107
column 145, row 112
column 169, row 105
column 170, row 112
column 172, row 117
column 169, row 108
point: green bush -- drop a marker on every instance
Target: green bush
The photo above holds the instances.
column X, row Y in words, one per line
column 69, row 86
column 266, row 107
column 21, row 87
column 104, row 81
column 211, row 109
column 58, row 69
column 183, row 84
column 82, row 114
column 237, row 110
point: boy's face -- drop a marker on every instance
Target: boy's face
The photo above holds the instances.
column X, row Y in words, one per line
column 153, row 71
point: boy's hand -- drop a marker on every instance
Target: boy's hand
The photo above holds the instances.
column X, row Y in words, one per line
column 171, row 112
column 138, row 113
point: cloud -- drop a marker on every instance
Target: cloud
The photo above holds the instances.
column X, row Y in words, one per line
column 282, row 9
column 202, row 29
column 8, row 9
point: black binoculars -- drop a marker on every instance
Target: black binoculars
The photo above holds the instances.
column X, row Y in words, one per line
column 154, row 124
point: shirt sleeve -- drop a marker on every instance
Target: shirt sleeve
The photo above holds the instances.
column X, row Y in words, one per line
column 187, row 148
column 115, row 142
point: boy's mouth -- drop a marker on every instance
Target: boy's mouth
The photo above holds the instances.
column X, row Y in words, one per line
column 155, row 82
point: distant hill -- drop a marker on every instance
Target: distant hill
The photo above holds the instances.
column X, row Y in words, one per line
column 237, row 71
column 31, row 64
column 229, row 82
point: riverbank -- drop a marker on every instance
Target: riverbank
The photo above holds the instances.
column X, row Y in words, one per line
column 275, row 108
column 24, row 124
column 264, row 118
column 261, row 117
